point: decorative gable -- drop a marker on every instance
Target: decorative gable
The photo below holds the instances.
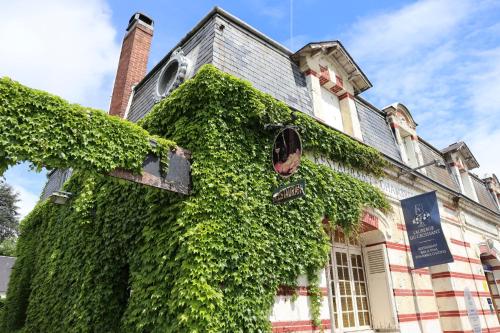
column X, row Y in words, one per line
column 336, row 70
column 333, row 79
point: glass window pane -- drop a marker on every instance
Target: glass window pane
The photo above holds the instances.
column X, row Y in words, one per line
column 353, row 260
column 363, row 289
column 355, row 275
column 348, row 290
column 345, row 319
column 367, row 318
column 349, row 304
column 361, row 319
column 365, row 303
column 346, row 273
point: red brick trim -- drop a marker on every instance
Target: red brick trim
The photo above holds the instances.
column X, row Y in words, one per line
column 465, row 259
column 413, row 292
column 324, row 76
column 417, row 316
column 344, row 95
column 458, row 242
column 403, row 247
column 397, row 246
column 407, row 269
column 462, row 313
column 311, row 72
column 339, row 82
column 370, row 222
column 335, row 89
column 458, row 293
column 458, row 275
column 298, row 326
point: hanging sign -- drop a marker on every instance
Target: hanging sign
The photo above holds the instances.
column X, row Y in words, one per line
column 423, row 224
column 289, row 192
column 287, row 150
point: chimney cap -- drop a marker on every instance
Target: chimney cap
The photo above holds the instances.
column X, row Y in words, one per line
column 140, row 17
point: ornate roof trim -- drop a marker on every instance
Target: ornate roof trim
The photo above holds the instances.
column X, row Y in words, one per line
column 335, row 49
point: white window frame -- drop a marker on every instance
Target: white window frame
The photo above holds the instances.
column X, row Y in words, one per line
column 348, row 249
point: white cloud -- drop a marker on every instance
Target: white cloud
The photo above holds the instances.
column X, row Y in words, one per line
column 65, row 47
column 440, row 58
column 27, row 200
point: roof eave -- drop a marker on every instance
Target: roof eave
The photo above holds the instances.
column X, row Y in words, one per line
column 365, row 83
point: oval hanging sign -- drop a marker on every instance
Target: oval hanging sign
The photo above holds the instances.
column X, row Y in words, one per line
column 287, row 150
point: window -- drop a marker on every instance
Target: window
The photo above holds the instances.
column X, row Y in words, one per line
column 330, row 109
column 348, row 294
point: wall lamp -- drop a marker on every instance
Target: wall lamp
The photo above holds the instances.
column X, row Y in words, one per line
column 438, row 163
column 60, row 197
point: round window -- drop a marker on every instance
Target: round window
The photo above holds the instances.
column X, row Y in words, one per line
column 168, row 77
column 173, row 74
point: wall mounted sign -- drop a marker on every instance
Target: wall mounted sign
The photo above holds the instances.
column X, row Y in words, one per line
column 287, row 150
column 289, row 192
column 470, row 305
column 423, row 224
column 176, row 179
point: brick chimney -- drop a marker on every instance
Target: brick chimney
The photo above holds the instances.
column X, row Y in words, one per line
column 133, row 62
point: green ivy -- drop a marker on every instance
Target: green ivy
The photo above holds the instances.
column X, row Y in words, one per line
column 48, row 131
column 124, row 257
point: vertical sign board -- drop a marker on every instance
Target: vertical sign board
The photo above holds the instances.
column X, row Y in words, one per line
column 423, row 224
column 470, row 305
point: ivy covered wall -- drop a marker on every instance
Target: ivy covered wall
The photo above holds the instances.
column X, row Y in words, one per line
column 124, row 257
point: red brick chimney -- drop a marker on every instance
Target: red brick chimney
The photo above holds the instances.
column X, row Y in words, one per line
column 133, row 61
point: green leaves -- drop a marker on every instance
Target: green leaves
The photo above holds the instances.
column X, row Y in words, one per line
column 123, row 257
column 47, row 131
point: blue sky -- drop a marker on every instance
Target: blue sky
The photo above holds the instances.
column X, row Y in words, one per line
column 440, row 58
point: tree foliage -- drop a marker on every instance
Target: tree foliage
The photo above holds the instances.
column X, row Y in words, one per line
column 124, row 257
column 8, row 247
column 8, row 212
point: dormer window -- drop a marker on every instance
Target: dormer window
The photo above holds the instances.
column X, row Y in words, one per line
column 404, row 128
column 461, row 161
column 333, row 79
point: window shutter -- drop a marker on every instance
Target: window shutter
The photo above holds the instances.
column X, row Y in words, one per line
column 380, row 292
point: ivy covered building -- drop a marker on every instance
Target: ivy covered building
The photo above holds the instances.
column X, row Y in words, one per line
column 260, row 269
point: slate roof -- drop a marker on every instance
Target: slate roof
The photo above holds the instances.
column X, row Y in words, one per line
column 442, row 176
column 375, row 131
column 55, row 181
column 484, row 196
